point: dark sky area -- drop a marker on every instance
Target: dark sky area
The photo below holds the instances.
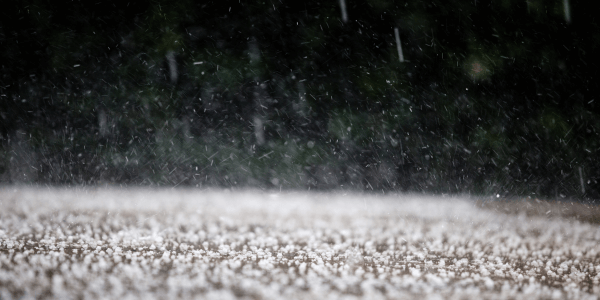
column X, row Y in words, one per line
column 480, row 97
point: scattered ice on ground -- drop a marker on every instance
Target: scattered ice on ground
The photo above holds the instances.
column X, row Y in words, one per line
column 178, row 243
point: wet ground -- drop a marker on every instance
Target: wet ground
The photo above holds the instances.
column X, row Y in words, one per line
column 97, row 243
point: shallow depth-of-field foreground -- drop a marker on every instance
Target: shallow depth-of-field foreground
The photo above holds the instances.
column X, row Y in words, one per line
column 173, row 243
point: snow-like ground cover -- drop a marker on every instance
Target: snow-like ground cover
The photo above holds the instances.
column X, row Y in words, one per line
column 183, row 243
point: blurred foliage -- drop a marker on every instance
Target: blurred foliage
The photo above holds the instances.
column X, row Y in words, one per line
column 492, row 98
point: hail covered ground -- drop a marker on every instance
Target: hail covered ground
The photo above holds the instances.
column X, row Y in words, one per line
column 182, row 243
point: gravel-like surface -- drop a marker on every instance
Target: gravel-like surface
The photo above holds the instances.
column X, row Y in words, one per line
column 177, row 243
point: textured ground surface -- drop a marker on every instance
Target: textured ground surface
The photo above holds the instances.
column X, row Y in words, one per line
column 173, row 243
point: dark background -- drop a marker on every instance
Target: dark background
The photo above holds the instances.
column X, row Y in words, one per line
column 494, row 97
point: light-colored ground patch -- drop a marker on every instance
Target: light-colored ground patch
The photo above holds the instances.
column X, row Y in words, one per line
column 567, row 209
column 177, row 243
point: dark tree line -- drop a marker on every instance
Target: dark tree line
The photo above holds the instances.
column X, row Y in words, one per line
column 493, row 97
